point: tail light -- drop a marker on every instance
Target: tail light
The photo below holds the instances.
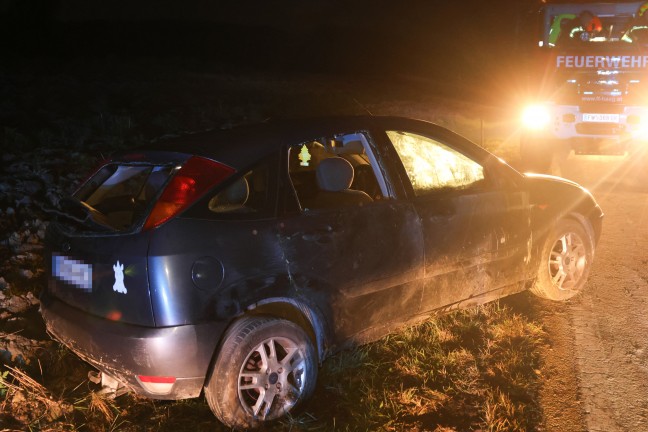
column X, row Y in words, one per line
column 157, row 384
column 195, row 177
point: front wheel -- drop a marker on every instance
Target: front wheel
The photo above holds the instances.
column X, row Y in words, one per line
column 265, row 368
column 565, row 263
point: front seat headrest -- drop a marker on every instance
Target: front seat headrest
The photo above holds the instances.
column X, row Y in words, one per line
column 334, row 174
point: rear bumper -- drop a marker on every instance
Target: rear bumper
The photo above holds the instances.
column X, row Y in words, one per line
column 126, row 351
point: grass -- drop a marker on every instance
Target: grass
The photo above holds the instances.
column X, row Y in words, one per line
column 472, row 369
column 28, row 401
column 476, row 369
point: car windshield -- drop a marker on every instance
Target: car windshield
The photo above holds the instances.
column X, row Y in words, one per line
column 121, row 193
column 587, row 25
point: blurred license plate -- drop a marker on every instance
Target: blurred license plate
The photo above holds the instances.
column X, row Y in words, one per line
column 72, row 271
column 601, row 118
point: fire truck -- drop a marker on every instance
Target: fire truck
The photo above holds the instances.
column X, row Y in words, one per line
column 592, row 66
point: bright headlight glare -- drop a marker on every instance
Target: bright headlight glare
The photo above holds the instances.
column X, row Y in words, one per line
column 536, row 117
column 641, row 129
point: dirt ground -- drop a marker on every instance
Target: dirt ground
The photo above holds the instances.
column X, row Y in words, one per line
column 597, row 364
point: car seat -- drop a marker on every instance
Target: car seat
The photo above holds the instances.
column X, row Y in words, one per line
column 231, row 199
column 334, row 177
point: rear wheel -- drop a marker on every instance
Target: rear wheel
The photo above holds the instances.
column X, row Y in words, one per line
column 265, row 368
column 565, row 262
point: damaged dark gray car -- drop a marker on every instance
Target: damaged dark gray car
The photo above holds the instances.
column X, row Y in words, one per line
column 236, row 261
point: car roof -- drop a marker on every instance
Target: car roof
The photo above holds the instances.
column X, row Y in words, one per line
column 241, row 145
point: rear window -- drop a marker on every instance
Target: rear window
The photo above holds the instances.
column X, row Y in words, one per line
column 122, row 194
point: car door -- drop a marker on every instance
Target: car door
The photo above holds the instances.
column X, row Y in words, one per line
column 475, row 224
column 361, row 261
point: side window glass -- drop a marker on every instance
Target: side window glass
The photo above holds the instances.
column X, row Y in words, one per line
column 303, row 160
column 432, row 166
column 247, row 195
column 336, row 171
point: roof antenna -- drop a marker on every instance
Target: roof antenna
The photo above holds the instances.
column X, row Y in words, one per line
column 363, row 107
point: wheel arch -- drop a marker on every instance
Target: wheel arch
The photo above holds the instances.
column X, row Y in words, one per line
column 587, row 224
column 298, row 312
column 295, row 311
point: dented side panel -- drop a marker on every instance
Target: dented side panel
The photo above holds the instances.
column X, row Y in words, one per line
column 204, row 270
column 475, row 243
column 363, row 265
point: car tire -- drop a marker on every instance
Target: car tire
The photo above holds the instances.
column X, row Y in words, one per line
column 265, row 368
column 565, row 261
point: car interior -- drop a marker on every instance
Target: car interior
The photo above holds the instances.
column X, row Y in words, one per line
column 334, row 172
column 247, row 194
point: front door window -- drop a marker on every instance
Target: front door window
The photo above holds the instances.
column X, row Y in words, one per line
column 432, row 166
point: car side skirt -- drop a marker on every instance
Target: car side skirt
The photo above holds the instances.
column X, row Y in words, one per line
column 375, row 333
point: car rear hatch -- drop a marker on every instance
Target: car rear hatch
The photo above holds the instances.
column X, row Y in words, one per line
column 99, row 238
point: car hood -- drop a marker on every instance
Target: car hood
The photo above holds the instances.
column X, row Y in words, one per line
column 546, row 179
column 555, row 197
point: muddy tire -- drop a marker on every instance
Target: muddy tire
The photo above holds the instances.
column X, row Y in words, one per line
column 565, row 261
column 265, row 368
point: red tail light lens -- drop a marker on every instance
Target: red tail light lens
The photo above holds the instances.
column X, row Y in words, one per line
column 157, row 384
column 195, row 177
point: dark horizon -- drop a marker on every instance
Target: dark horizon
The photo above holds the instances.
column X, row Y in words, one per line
column 330, row 37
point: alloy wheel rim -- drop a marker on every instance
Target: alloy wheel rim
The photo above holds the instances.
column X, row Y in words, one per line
column 567, row 261
column 272, row 377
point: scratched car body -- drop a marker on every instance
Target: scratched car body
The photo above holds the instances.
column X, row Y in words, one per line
column 236, row 261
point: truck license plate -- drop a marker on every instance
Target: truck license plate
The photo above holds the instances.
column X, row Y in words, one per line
column 601, row 118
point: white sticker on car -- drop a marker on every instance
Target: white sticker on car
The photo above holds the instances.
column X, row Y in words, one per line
column 72, row 271
column 119, row 278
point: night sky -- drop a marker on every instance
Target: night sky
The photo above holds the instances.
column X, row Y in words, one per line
column 347, row 37
column 154, row 67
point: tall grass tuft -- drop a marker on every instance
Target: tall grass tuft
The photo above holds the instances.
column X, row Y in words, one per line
column 468, row 370
column 29, row 402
